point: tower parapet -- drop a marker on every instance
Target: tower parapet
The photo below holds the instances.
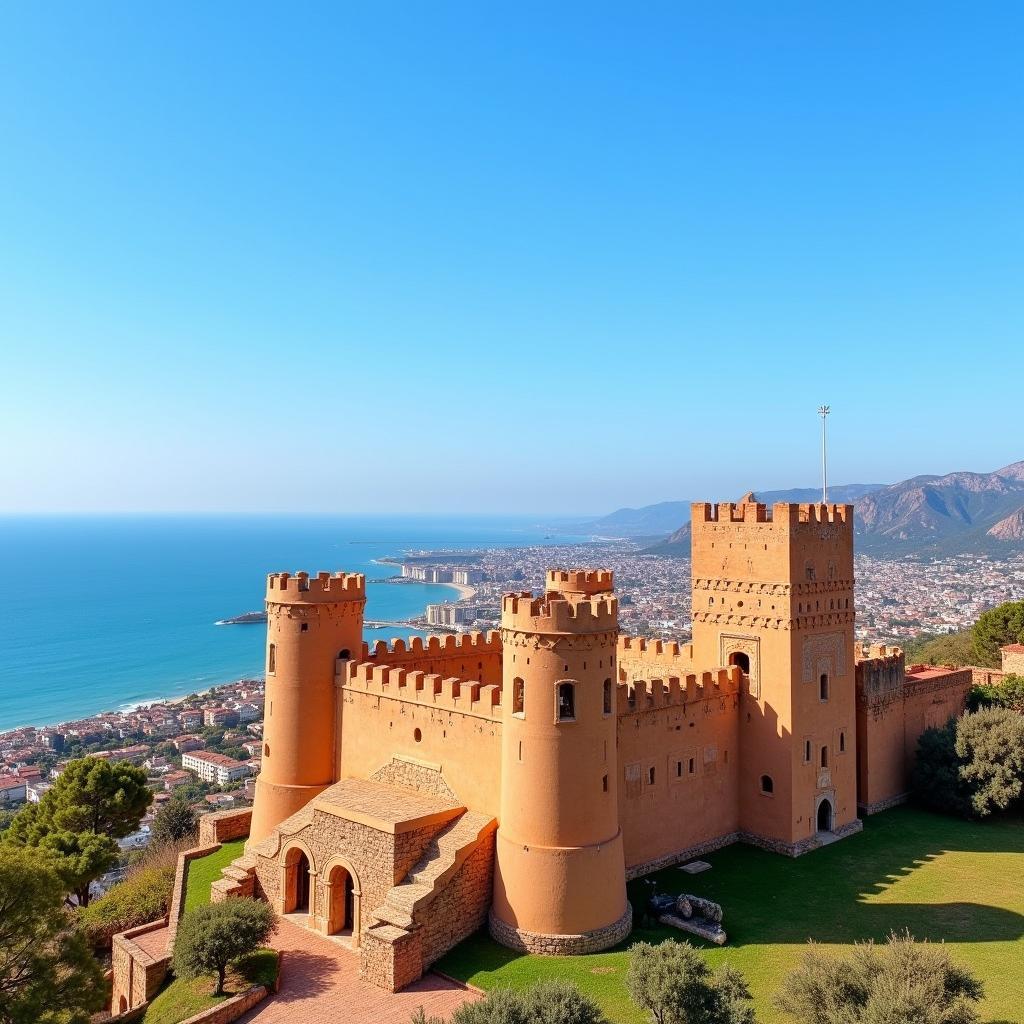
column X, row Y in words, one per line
column 559, row 867
column 312, row 621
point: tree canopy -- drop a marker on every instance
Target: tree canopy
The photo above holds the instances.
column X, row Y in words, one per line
column 173, row 822
column 47, row 973
column 973, row 766
column 996, row 628
column 213, row 936
column 902, row 982
column 79, row 818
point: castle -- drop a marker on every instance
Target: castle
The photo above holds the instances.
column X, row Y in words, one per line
column 415, row 791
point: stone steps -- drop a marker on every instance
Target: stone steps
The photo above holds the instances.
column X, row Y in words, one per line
column 441, row 859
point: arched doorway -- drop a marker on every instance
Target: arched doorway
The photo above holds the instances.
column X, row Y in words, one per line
column 296, row 881
column 123, row 1005
column 825, row 816
column 341, row 901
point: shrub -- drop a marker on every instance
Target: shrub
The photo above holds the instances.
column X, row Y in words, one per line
column 903, row 982
column 547, row 1002
column 1007, row 694
column 674, row 984
column 990, row 746
column 211, row 937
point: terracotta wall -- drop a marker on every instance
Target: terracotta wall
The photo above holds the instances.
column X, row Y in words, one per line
column 680, row 810
column 467, row 656
column 466, row 746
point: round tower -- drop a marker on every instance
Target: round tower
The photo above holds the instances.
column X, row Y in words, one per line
column 559, row 876
column 311, row 623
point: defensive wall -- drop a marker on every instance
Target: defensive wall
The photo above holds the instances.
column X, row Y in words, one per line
column 450, row 723
column 894, row 707
column 678, row 746
column 468, row 656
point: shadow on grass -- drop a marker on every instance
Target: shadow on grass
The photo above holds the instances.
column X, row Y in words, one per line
column 828, row 894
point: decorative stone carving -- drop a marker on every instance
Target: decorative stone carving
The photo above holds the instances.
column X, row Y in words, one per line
column 823, row 655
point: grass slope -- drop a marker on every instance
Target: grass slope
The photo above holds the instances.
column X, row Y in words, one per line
column 179, row 999
column 942, row 878
column 206, row 870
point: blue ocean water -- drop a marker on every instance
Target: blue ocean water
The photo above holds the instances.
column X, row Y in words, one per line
column 99, row 613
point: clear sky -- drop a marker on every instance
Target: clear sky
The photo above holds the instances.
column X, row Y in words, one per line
column 428, row 257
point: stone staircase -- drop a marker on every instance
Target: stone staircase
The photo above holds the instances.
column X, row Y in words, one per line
column 239, row 877
column 441, row 860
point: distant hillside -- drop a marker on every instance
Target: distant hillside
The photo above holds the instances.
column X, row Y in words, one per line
column 926, row 515
column 667, row 516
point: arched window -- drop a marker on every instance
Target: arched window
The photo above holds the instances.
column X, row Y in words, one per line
column 809, row 570
column 807, row 751
column 824, row 757
column 344, row 654
column 767, row 785
column 607, row 696
column 272, row 659
column 566, row 701
column 518, row 696
column 742, row 659
column 823, row 686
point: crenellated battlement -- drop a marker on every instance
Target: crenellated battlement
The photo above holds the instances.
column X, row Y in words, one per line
column 677, row 691
column 637, row 648
column 788, row 513
column 553, row 613
column 426, row 688
column 300, row 587
column 450, row 644
column 878, row 652
column 580, row 581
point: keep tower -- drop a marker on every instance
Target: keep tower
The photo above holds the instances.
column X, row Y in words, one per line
column 773, row 593
column 559, row 869
column 311, row 623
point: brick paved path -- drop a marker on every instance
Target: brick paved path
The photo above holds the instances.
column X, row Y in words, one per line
column 320, row 985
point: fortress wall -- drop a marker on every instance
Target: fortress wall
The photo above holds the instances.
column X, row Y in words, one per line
column 640, row 658
column 466, row 656
column 687, row 732
column 931, row 697
column 894, row 707
column 450, row 724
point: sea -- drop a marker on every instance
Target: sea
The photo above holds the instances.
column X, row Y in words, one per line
column 106, row 613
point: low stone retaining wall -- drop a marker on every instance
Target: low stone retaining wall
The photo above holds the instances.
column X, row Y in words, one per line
column 137, row 972
column 231, row 1009
column 221, row 826
column 181, row 884
column 679, row 856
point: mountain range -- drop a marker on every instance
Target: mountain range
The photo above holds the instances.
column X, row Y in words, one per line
column 926, row 515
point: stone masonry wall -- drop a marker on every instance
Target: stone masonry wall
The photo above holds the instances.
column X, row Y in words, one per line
column 462, row 905
column 222, row 826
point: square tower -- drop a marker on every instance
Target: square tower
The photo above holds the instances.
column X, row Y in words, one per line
column 773, row 593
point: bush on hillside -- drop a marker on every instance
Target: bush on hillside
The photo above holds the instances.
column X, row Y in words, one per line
column 144, row 895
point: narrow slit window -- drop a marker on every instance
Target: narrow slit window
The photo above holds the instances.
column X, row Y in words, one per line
column 566, row 702
column 607, row 696
column 518, row 696
column 272, row 659
column 823, row 686
column 824, row 757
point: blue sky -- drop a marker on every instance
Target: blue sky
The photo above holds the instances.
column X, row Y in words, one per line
column 519, row 257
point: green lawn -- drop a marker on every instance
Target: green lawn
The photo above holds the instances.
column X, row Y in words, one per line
column 178, row 999
column 206, row 870
column 942, row 878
